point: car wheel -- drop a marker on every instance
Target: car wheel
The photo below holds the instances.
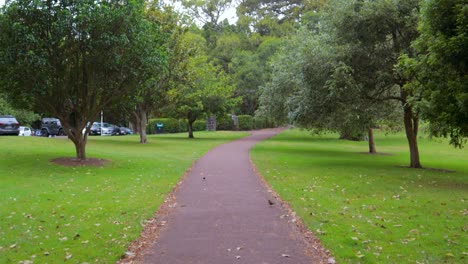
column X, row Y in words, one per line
column 60, row 132
column 44, row 133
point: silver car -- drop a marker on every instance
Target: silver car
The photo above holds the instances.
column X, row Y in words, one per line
column 9, row 125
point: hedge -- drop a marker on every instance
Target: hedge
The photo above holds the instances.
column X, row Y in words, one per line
column 224, row 122
column 245, row 122
column 199, row 125
column 263, row 122
column 172, row 125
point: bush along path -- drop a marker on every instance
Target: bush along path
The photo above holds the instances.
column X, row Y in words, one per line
column 224, row 213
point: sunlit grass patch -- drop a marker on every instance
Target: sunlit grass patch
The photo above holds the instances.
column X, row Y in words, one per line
column 370, row 208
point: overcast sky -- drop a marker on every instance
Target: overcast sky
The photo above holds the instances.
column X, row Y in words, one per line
column 230, row 14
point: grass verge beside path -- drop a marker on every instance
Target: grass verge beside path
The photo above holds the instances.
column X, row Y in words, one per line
column 368, row 208
column 52, row 214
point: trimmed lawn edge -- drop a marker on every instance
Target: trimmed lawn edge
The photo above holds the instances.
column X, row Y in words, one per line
column 319, row 253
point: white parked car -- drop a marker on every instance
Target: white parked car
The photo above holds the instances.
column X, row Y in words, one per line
column 24, row 131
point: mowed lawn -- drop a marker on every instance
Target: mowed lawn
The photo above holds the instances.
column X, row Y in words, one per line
column 53, row 214
column 370, row 208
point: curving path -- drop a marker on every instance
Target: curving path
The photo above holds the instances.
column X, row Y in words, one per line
column 226, row 217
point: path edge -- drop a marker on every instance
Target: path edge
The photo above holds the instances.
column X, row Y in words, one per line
column 313, row 244
column 153, row 226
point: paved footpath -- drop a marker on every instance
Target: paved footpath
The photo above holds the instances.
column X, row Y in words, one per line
column 226, row 217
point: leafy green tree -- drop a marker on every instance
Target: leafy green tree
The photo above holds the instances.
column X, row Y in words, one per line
column 151, row 93
column 250, row 70
column 373, row 36
column 208, row 12
column 275, row 17
column 71, row 58
column 205, row 90
column 440, row 69
column 25, row 117
column 343, row 77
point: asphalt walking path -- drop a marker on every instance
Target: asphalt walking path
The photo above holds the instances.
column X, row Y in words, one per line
column 223, row 215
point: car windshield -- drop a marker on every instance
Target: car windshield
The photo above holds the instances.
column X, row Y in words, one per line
column 7, row 119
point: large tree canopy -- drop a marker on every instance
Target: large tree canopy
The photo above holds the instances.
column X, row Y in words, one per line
column 440, row 69
column 71, row 58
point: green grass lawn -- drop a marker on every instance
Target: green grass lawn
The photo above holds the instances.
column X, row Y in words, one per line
column 52, row 214
column 369, row 208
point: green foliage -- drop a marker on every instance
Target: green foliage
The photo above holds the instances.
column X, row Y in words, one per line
column 171, row 125
column 183, row 126
column 90, row 214
column 263, row 122
column 199, row 125
column 24, row 117
column 440, row 69
column 365, row 208
column 246, row 122
column 206, row 88
column 70, row 59
column 224, row 122
column 340, row 76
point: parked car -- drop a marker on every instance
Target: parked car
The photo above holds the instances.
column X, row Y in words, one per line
column 51, row 126
column 125, row 131
column 9, row 125
column 37, row 133
column 95, row 129
column 107, row 129
column 24, row 131
column 115, row 130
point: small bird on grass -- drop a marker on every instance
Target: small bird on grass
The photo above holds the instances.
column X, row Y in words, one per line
column 270, row 202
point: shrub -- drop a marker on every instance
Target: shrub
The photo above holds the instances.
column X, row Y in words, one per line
column 224, row 122
column 263, row 122
column 245, row 122
column 171, row 125
column 183, row 126
column 199, row 125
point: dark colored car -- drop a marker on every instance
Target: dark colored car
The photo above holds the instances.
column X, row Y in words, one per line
column 95, row 129
column 51, row 126
column 116, row 130
column 125, row 131
column 9, row 125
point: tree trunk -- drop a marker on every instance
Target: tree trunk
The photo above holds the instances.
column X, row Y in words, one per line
column 372, row 149
column 142, row 122
column 141, row 118
column 411, row 128
column 79, row 140
column 190, row 129
column 190, row 119
column 80, row 148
